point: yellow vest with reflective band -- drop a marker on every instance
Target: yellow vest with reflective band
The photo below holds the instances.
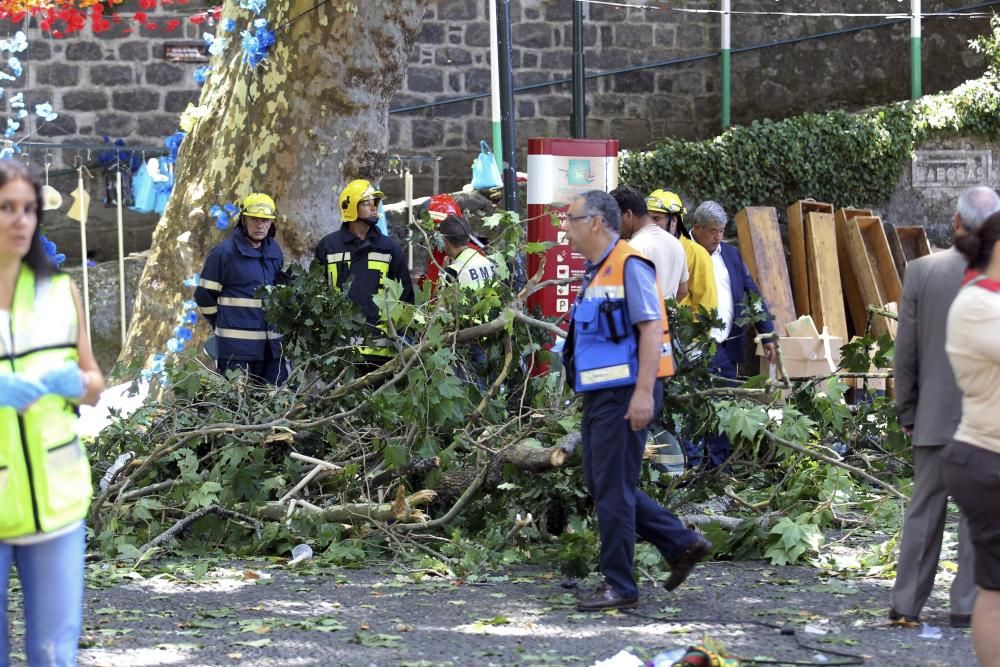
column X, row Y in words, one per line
column 44, row 475
column 376, row 261
column 605, row 342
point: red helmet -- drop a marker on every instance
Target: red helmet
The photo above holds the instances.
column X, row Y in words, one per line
column 441, row 206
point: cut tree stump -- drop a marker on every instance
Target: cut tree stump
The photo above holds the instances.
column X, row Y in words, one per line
column 764, row 254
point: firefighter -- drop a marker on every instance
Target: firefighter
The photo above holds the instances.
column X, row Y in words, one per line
column 226, row 293
column 468, row 266
column 358, row 252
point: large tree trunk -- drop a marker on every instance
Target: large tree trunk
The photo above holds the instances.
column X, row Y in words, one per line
column 310, row 118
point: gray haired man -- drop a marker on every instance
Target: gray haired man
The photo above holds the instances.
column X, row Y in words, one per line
column 929, row 407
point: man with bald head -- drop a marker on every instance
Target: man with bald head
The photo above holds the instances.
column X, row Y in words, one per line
column 929, row 407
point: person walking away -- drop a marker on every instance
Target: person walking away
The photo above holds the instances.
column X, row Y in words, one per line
column 667, row 212
column 653, row 242
column 733, row 286
column 929, row 407
column 47, row 369
column 972, row 460
column 226, row 294
column 361, row 254
column 618, row 355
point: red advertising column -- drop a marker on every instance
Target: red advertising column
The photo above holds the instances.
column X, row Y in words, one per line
column 558, row 170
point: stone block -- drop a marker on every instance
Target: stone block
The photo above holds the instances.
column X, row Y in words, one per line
column 84, row 100
column 164, row 74
column 116, row 31
column 454, row 82
column 557, row 11
column 689, row 83
column 40, row 50
column 453, row 110
column 156, row 126
column 425, row 80
column 82, row 51
column 529, row 59
column 665, row 36
column 631, row 35
column 643, row 81
column 427, row 133
column 477, row 34
column 532, row 35
column 607, row 35
column 114, row 125
column 63, row 125
column 555, row 105
column 607, row 14
column 611, row 58
column 477, row 80
column 135, row 100
column 479, row 129
column 134, row 51
column 58, row 75
column 606, row 105
column 557, row 60
column 432, row 33
column 691, row 36
column 394, row 130
column 452, row 56
column 457, row 9
column 177, row 101
column 112, row 75
column 525, row 109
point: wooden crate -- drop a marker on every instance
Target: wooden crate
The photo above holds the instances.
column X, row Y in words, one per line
column 764, row 254
column 797, row 214
column 849, row 283
column 826, row 296
column 874, row 268
column 907, row 243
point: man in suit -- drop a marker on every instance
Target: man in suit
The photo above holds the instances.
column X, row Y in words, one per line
column 734, row 285
column 930, row 418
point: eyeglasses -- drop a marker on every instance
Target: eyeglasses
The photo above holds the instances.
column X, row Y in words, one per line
column 574, row 218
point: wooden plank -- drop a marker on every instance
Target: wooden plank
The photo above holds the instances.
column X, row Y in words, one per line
column 907, row 243
column 797, row 213
column 826, row 297
column 877, row 246
column 849, row 282
column 874, row 270
column 764, row 254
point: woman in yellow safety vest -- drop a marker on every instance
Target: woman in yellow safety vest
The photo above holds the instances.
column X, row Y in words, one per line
column 46, row 370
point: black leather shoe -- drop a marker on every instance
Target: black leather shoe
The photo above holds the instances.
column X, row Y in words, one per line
column 605, row 597
column 902, row 619
column 681, row 568
column 961, row 620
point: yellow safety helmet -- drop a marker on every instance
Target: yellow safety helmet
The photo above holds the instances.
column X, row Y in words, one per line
column 355, row 192
column 664, row 201
column 259, row 205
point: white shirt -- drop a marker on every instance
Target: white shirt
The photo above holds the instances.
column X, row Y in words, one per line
column 5, row 342
column 725, row 291
column 667, row 255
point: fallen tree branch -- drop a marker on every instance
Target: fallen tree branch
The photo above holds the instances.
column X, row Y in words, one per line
column 179, row 527
column 409, row 468
column 351, row 513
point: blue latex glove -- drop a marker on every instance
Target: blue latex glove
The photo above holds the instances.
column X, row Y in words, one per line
column 67, row 381
column 19, row 392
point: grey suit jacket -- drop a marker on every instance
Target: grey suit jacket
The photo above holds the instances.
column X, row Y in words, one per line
column 927, row 397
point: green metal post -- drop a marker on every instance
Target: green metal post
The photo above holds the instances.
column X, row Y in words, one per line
column 916, row 73
column 726, row 88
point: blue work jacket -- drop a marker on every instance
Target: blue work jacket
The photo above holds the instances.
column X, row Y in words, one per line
column 226, row 297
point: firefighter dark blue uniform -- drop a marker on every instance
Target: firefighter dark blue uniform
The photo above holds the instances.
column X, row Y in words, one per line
column 226, row 298
column 601, row 357
column 367, row 263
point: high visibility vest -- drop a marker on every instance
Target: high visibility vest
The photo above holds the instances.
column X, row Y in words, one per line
column 605, row 345
column 471, row 268
column 44, row 475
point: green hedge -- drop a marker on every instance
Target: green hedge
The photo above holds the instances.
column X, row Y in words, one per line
column 850, row 159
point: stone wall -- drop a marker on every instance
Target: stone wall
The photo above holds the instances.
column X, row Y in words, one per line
column 117, row 83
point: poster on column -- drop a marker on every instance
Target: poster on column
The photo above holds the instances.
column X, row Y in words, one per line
column 558, row 170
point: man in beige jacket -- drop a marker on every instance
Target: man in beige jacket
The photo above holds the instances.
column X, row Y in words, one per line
column 929, row 407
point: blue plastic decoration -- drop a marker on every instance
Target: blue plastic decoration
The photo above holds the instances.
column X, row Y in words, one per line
column 45, row 111
column 50, row 249
column 16, row 44
column 201, row 74
column 192, row 282
column 14, row 63
column 216, row 45
column 221, row 216
column 173, row 143
column 12, row 127
column 255, row 6
column 256, row 44
column 229, row 25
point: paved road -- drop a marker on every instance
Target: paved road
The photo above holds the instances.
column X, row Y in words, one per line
column 263, row 613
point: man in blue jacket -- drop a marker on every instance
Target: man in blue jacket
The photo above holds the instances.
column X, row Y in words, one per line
column 226, row 293
column 734, row 286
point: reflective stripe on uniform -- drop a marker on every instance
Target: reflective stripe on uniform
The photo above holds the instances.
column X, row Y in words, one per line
column 338, row 257
column 242, row 334
column 379, row 257
column 603, row 291
column 208, row 310
column 606, row 374
column 240, row 302
column 210, row 284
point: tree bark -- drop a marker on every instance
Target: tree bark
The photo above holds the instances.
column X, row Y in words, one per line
column 310, row 118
